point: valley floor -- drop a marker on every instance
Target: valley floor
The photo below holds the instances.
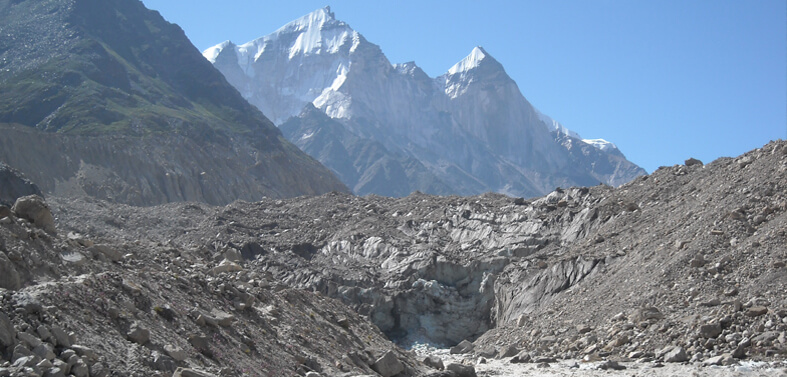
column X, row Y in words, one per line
column 577, row 368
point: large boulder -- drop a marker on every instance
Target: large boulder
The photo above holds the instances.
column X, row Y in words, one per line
column 35, row 209
column 388, row 365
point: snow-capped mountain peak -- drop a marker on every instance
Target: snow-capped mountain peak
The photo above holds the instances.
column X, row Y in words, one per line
column 212, row 53
column 471, row 61
column 467, row 131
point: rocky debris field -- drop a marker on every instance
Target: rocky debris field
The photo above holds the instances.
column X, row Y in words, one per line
column 72, row 306
column 683, row 268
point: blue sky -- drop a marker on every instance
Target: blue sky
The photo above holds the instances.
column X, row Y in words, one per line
column 664, row 79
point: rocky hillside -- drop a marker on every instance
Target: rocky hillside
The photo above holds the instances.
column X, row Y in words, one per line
column 688, row 261
column 684, row 265
column 109, row 100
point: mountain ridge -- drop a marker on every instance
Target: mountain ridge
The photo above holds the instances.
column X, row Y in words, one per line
column 97, row 85
column 470, row 127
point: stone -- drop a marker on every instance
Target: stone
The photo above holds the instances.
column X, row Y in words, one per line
column 9, row 276
column 724, row 359
column 698, row 261
column 188, row 372
column 61, row 337
column 85, row 351
column 486, row 352
column 693, row 162
column 43, row 332
column 583, row 329
column 388, row 365
column 312, row 374
column 45, row 351
column 756, row 311
column 7, row 331
column 35, row 209
column 462, row 348
column 610, row 365
column 74, row 257
column 521, row 357
column 138, row 334
column 54, row 372
column 710, row 330
column 29, row 339
column 434, row 362
column 461, row 370
column 162, row 362
column 20, row 351
column 80, row 369
column 175, row 352
column 98, row 370
column 221, row 318
column 508, row 351
column 226, row 266
column 107, row 251
column 675, row 354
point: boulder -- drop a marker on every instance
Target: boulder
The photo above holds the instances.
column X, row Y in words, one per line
column 388, row 365
column 710, row 330
column 35, row 209
column 461, row 348
column 461, row 370
column 138, row 334
column 434, row 362
column 693, row 162
column 508, row 351
column 674, row 354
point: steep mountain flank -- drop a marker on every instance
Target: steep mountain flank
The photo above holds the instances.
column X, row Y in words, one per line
column 121, row 82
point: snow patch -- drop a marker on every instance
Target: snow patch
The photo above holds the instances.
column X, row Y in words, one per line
column 601, row 144
column 471, row 61
column 213, row 53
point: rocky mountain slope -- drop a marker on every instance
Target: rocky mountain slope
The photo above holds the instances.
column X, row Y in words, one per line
column 685, row 264
column 107, row 99
column 469, row 130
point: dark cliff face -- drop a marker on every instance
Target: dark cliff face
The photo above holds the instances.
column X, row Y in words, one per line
column 110, row 70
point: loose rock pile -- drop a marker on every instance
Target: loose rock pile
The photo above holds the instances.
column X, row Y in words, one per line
column 684, row 265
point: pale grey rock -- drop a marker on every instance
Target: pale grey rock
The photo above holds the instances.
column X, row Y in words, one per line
column 107, row 251
column 35, row 209
column 137, row 333
column 388, row 365
column 434, row 362
column 175, row 352
column 711, row 330
column 98, row 370
column 61, row 337
column 464, row 346
column 461, row 370
column 674, row 354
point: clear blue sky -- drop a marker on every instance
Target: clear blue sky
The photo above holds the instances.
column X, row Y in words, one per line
column 663, row 79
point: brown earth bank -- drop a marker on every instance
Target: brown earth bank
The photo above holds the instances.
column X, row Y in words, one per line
column 686, row 265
